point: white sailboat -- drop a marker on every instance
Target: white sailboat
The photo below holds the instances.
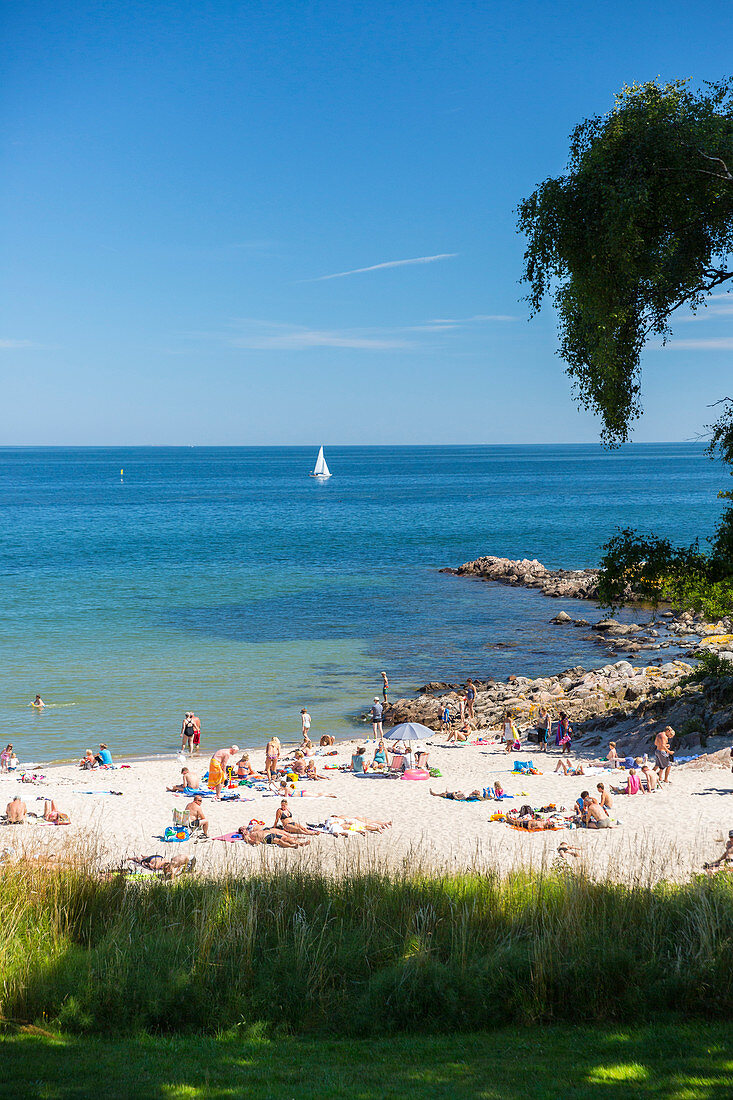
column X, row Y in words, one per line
column 321, row 470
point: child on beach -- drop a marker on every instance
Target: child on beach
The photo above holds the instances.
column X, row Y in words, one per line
column 5, row 757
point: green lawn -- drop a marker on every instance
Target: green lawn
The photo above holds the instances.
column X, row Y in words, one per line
column 683, row 1062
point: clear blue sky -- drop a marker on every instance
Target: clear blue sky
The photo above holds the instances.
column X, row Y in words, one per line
column 178, row 178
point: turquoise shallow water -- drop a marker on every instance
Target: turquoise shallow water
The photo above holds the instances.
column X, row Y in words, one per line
column 227, row 581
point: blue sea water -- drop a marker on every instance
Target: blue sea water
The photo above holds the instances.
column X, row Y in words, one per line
column 227, row 581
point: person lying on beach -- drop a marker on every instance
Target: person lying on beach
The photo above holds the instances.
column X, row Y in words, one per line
column 218, row 769
column 568, row 768
column 51, row 813
column 459, row 796
column 340, row 826
column 284, row 820
column 189, row 782
column 596, row 817
column 725, row 861
column 169, row 866
column 605, row 799
column 565, row 854
column 196, row 814
column 255, row 834
column 359, row 762
column 87, row 761
column 16, row 811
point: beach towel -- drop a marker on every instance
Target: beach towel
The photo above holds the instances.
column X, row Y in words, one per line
column 230, row 837
column 216, row 774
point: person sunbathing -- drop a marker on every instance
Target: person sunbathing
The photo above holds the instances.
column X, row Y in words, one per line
column 189, row 782
column 342, row 825
column 87, row 761
column 725, row 862
column 498, row 789
column 652, row 783
column 612, row 756
column 245, row 769
column 255, row 834
column 16, row 811
column 196, row 814
column 458, row 733
column 312, row 772
column 596, row 817
column 170, row 867
column 359, row 762
column 379, row 760
column 51, row 813
column 284, row 820
column 606, row 799
column 459, row 796
column 568, row 768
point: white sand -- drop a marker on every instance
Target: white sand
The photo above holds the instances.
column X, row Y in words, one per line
column 665, row 835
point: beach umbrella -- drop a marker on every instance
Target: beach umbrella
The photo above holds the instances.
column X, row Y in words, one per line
column 411, row 731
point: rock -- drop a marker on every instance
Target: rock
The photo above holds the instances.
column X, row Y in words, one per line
column 561, row 617
column 580, row 622
column 605, row 624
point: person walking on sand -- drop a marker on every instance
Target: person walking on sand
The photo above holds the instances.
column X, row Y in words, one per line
column 377, row 713
column 663, row 753
column 272, row 755
column 470, row 696
column 305, row 723
column 218, row 769
column 385, row 686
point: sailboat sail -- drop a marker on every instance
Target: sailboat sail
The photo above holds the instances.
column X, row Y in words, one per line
column 321, row 468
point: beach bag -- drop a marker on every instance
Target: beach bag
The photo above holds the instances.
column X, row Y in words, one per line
column 176, row 833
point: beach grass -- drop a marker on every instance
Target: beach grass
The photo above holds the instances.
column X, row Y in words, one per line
column 684, row 1061
column 294, row 949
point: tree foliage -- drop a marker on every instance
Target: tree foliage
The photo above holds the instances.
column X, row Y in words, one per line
column 640, row 223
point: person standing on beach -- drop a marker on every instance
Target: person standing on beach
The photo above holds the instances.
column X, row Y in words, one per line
column 218, row 769
column 509, row 733
column 544, row 723
column 385, row 686
column 305, row 723
column 196, row 732
column 5, row 758
column 663, row 753
column 377, row 711
column 272, row 755
column 187, row 730
column 470, row 696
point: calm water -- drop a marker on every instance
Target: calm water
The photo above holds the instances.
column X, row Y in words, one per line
column 225, row 580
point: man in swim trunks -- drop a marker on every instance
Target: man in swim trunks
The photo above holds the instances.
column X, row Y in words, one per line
column 196, row 732
column 189, row 782
column 377, row 711
column 595, row 817
column 218, row 769
column 16, row 810
column 663, row 754
column 196, row 814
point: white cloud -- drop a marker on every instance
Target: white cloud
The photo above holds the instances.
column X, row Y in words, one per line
column 271, row 336
column 381, row 267
column 478, row 317
column 706, row 343
column 10, row 344
column 711, row 313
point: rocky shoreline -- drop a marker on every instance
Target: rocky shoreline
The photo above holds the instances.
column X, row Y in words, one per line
column 616, row 701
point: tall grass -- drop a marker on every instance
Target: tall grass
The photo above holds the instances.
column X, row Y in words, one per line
column 295, row 947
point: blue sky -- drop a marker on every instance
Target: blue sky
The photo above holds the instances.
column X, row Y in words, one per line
column 180, row 180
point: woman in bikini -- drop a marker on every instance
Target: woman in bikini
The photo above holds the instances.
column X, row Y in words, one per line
column 272, row 755
column 284, row 821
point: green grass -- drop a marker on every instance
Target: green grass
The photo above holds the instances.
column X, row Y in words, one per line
column 296, row 949
column 670, row 1062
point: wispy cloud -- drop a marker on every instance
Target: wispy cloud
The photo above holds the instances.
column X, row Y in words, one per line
column 705, row 343
column 8, row 345
column 272, row 336
column 711, row 313
column 478, row 317
column 383, row 266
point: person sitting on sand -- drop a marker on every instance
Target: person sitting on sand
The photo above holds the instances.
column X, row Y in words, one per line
column 312, row 772
column 16, row 811
column 459, row 796
column 379, row 760
column 284, row 820
column 218, row 769
column 298, row 766
column 5, row 758
column 498, row 789
column 254, row 834
column 359, row 763
column 245, row 769
column 51, row 813
column 652, row 783
column 104, row 757
column 595, row 816
column 725, row 861
column 612, row 755
column 196, row 814
column 605, row 799
column 87, row 761
column 458, row 733
column 633, row 783
column 189, row 782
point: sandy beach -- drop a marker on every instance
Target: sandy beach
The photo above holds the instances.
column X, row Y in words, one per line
column 665, row 835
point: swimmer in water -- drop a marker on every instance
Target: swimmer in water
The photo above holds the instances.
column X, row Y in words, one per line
column 38, row 702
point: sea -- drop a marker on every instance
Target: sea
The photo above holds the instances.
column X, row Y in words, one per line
column 227, row 581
